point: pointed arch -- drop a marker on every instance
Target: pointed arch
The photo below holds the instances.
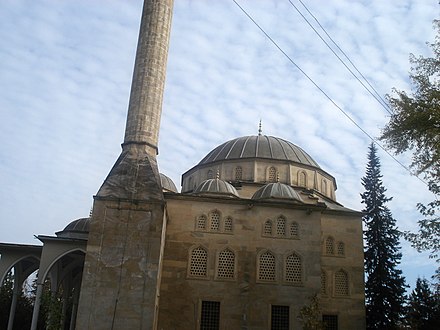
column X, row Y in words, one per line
column 226, row 264
column 330, row 245
column 198, row 263
column 341, row 283
column 281, row 226
column 267, row 229
column 238, row 173
column 302, row 179
column 214, row 220
column 266, row 266
column 293, row 269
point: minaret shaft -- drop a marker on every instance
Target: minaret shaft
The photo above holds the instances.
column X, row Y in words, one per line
column 145, row 106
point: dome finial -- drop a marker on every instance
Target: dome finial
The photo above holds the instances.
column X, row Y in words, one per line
column 278, row 176
column 259, row 128
column 218, row 174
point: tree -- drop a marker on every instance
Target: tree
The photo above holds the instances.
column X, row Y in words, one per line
column 415, row 126
column 423, row 310
column 385, row 285
column 310, row 315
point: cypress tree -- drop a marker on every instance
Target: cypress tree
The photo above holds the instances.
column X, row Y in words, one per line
column 385, row 285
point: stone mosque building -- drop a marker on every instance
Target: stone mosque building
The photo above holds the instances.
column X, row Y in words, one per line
column 253, row 234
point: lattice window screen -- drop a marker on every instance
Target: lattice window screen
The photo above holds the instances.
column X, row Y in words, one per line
column 215, row 221
column 210, row 174
column 279, row 318
column 226, row 264
column 330, row 322
column 238, row 173
column 201, row 223
column 294, row 229
column 330, row 245
column 268, row 227
column 228, row 225
column 199, row 262
column 323, row 282
column 293, row 269
column 341, row 283
column 302, row 179
column 341, row 248
column 272, row 174
column 210, row 315
column 281, row 226
column 266, row 269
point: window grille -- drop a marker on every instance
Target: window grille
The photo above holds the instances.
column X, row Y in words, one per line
column 266, row 271
column 272, row 174
column 228, row 225
column 341, row 283
column 268, row 228
column 238, row 173
column 210, row 174
column 201, row 223
column 330, row 322
column 210, row 315
column 294, row 229
column 215, row 221
column 329, row 245
column 323, row 282
column 341, row 248
column 302, row 179
column 293, row 269
column 226, row 264
column 199, row 262
column 279, row 318
column 281, row 226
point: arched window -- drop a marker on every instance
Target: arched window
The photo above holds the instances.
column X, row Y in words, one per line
column 226, row 264
column 302, row 179
column 341, row 248
column 294, row 229
column 214, row 218
column 268, row 228
column 293, row 269
column 198, row 265
column 341, row 283
column 228, row 225
column 323, row 282
column 281, row 226
column 266, row 267
column 238, row 173
column 210, row 175
column 330, row 245
column 324, row 186
column 201, row 223
column 272, row 174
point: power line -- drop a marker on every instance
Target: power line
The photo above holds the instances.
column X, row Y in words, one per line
column 323, row 92
column 378, row 98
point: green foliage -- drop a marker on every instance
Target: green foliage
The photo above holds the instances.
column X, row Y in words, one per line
column 415, row 126
column 415, row 121
column 423, row 310
column 310, row 315
column 385, row 285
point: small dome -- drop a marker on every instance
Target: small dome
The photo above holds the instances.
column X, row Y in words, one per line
column 276, row 191
column 167, row 183
column 78, row 228
column 216, row 186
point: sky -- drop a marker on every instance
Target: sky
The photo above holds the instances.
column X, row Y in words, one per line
column 65, row 75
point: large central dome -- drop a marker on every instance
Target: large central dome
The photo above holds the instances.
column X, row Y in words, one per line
column 259, row 146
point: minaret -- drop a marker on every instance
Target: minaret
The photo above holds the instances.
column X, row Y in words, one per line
column 121, row 275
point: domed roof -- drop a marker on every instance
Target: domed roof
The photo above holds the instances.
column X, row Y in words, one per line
column 216, row 186
column 78, row 228
column 259, row 146
column 276, row 191
column 167, row 183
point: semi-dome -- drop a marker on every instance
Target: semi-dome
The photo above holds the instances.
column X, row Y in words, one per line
column 78, row 228
column 217, row 187
column 167, row 183
column 276, row 190
column 259, row 146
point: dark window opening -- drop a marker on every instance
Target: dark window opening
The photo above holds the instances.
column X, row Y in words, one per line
column 330, row 322
column 280, row 318
column 210, row 317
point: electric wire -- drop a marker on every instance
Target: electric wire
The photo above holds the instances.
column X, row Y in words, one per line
column 325, row 94
column 378, row 98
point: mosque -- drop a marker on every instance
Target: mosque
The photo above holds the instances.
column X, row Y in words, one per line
column 254, row 233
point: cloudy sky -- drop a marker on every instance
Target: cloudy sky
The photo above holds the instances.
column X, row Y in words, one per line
column 65, row 74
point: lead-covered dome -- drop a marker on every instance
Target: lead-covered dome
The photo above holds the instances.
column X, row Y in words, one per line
column 216, row 187
column 167, row 183
column 78, row 228
column 276, row 191
column 259, row 146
